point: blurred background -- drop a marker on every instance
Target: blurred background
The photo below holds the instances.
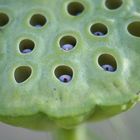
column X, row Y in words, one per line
column 125, row 126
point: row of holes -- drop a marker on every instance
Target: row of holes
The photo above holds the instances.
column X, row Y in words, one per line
column 37, row 20
column 68, row 42
column 73, row 8
column 65, row 73
column 97, row 29
column 77, row 8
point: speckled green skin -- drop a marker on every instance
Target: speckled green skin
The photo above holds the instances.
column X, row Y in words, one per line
column 43, row 102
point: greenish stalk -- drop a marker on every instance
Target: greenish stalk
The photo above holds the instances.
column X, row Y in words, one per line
column 78, row 133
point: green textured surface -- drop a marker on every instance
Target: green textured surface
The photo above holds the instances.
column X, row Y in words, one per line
column 93, row 94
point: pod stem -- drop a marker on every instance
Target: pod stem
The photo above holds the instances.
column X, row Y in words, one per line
column 78, row 133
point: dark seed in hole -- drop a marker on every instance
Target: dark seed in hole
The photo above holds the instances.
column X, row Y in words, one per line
column 67, row 47
column 99, row 29
column 113, row 4
column 75, row 8
column 38, row 20
column 22, row 73
column 134, row 28
column 26, row 46
column 4, row 19
column 68, row 42
column 107, row 67
column 65, row 78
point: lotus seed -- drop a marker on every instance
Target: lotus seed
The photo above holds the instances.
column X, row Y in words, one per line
column 98, row 33
column 65, row 78
column 38, row 26
column 67, row 47
column 26, row 51
column 108, row 67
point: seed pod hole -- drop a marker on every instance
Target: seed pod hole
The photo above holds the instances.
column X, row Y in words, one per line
column 22, row 73
column 113, row 4
column 99, row 29
column 4, row 19
column 26, row 46
column 107, row 62
column 134, row 28
column 75, row 8
column 67, row 43
column 38, row 20
column 64, row 73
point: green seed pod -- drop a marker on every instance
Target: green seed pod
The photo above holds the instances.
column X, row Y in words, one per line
column 43, row 86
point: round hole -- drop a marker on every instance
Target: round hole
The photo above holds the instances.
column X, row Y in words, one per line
column 67, row 43
column 113, row 4
column 75, row 8
column 22, row 73
column 4, row 19
column 64, row 73
column 107, row 62
column 134, row 28
column 26, row 46
column 99, row 29
column 38, row 20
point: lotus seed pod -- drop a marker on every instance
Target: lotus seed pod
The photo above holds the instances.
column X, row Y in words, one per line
column 32, row 92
